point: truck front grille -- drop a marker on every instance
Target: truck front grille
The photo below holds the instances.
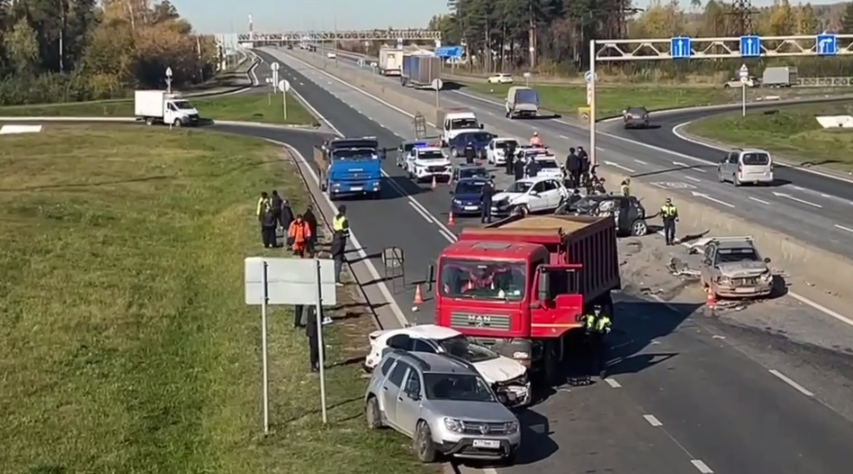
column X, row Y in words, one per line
column 436, row 169
column 495, row 322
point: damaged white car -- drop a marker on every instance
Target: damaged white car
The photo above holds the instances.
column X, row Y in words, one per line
column 506, row 375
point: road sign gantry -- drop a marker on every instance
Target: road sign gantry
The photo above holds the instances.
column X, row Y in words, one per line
column 408, row 34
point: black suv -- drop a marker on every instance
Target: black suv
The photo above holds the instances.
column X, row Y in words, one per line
column 629, row 212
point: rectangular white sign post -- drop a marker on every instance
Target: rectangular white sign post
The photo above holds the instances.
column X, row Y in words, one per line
column 290, row 281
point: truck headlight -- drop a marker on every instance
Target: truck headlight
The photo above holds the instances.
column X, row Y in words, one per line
column 454, row 425
column 511, row 427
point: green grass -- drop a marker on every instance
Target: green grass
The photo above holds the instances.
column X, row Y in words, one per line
column 793, row 133
column 125, row 344
column 251, row 107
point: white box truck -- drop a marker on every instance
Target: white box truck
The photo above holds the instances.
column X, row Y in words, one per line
column 390, row 61
column 161, row 107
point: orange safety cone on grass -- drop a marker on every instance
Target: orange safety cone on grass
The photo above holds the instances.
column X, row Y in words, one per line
column 450, row 219
column 419, row 298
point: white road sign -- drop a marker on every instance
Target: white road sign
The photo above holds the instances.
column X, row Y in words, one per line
column 437, row 84
column 284, row 86
column 275, row 66
column 744, row 73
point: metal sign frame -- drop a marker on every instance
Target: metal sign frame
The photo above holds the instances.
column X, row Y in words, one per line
column 341, row 35
column 685, row 49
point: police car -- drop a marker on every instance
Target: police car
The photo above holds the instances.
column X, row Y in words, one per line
column 426, row 162
column 549, row 167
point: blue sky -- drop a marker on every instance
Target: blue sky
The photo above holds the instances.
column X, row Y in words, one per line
column 284, row 15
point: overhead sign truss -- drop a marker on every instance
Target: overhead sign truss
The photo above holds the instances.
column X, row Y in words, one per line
column 824, row 45
column 342, row 35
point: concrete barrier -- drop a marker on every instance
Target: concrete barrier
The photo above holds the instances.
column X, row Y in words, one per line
column 817, row 276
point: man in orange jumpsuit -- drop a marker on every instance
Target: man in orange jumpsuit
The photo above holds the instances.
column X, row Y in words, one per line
column 299, row 233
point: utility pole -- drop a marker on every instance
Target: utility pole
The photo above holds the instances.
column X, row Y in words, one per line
column 741, row 11
column 62, row 25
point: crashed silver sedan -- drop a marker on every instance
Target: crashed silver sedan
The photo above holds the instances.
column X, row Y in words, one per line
column 733, row 268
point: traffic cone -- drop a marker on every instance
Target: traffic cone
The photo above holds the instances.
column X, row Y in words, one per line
column 711, row 300
column 434, row 182
column 450, row 219
column 419, row 298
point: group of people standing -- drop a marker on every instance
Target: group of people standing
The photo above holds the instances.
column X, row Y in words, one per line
column 275, row 213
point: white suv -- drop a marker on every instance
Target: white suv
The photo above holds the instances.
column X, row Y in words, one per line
column 502, row 78
column 426, row 163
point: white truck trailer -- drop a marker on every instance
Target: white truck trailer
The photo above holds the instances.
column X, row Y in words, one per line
column 390, row 61
column 161, row 107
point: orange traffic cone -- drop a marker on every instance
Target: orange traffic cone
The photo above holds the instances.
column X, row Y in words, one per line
column 450, row 219
column 434, row 182
column 419, row 298
column 711, row 300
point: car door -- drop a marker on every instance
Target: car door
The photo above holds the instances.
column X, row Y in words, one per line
column 731, row 165
column 724, row 167
column 537, row 199
column 708, row 263
column 409, row 402
column 551, row 194
column 391, row 391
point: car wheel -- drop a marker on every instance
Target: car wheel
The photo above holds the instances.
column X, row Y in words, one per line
column 424, row 446
column 522, row 210
column 639, row 228
column 372, row 414
column 736, row 181
column 453, row 152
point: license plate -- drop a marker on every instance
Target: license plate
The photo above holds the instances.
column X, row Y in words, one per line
column 487, row 443
column 744, row 290
column 470, row 208
column 356, row 188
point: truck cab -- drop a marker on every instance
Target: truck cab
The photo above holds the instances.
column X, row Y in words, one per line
column 457, row 121
column 522, row 285
column 350, row 166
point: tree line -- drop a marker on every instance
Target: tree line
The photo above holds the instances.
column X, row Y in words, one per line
column 73, row 50
column 552, row 36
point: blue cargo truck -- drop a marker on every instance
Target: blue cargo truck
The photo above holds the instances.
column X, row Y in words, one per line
column 350, row 166
column 420, row 71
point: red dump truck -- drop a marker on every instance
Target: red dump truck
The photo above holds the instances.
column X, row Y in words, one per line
column 522, row 285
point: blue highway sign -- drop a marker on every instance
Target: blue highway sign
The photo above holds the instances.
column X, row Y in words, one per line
column 750, row 46
column 454, row 52
column 826, row 45
column 680, row 47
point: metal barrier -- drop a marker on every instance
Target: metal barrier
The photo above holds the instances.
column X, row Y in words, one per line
column 825, row 81
column 394, row 269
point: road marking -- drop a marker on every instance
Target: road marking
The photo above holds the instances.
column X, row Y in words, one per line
column 844, row 228
column 640, row 162
column 712, row 199
column 613, row 383
column 652, row 420
column 790, row 382
column 802, row 299
column 447, row 235
column 703, row 468
column 564, row 137
column 672, row 185
column 617, row 165
column 802, row 201
column 691, row 178
column 426, row 217
column 759, row 200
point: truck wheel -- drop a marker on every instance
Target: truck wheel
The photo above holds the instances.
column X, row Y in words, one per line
column 149, row 121
column 177, row 123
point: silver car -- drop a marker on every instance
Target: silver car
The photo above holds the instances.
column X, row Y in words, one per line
column 635, row 117
column 443, row 405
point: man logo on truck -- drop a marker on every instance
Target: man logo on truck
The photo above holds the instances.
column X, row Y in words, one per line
column 479, row 321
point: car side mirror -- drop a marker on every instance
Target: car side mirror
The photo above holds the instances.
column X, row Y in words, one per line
column 534, row 193
column 544, row 280
column 766, row 260
column 482, row 126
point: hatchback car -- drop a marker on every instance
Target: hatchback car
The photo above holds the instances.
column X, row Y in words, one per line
column 746, row 167
column 635, row 117
column 628, row 212
column 502, row 78
column 443, row 405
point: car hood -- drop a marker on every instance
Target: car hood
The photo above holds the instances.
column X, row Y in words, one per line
column 501, row 369
column 467, row 197
column 505, row 196
column 433, row 162
column 489, row 412
column 742, row 269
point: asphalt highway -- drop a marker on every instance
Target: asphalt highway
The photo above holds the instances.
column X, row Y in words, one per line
column 812, row 208
column 680, row 399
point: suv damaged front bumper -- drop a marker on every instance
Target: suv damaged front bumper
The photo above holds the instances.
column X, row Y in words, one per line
column 465, row 449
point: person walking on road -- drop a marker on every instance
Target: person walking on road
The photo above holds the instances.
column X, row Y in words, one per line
column 573, row 166
column 598, row 326
column 470, row 153
column 340, row 228
column 299, row 234
column 311, row 220
column 486, row 194
column 669, row 215
column 584, row 165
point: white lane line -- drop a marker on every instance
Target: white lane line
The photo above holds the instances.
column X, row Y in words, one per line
column 613, row 383
column 691, row 178
column 447, row 235
column 802, row 299
column 790, row 382
column 844, row 228
column 703, row 468
column 759, row 200
column 711, row 198
column 564, row 137
column 617, row 165
column 652, row 420
column 426, row 217
column 801, row 201
column 640, row 162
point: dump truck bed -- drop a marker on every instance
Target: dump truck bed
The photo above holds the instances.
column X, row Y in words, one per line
column 589, row 241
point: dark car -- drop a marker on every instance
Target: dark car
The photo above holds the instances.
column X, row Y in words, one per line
column 478, row 138
column 629, row 212
column 466, row 196
column 465, row 171
column 636, row 117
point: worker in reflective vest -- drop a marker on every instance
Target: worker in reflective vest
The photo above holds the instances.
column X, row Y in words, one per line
column 341, row 223
column 598, row 325
column 299, row 233
column 669, row 214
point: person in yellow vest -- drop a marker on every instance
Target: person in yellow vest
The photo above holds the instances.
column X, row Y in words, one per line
column 669, row 215
column 263, row 201
column 340, row 232
column 598, row 325
column 341, row 223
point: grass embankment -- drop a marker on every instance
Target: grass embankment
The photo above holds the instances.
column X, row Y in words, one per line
column 565, row 99
column 125, row 343
column 792, row 132
column 249, row 106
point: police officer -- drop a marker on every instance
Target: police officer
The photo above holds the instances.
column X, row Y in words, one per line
column 341, row 223
column 600, row 329
column 625, row 188
column 518, row 168
column 669, row 214
column 573, row 166
column 584, row 164
column 510, row 157
column 267, row 218
column 486, row 194
column 470, row 153
column 532, row 168
column 261, row 202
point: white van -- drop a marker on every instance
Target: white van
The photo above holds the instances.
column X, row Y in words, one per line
column 751, row 166
column 458, row 121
